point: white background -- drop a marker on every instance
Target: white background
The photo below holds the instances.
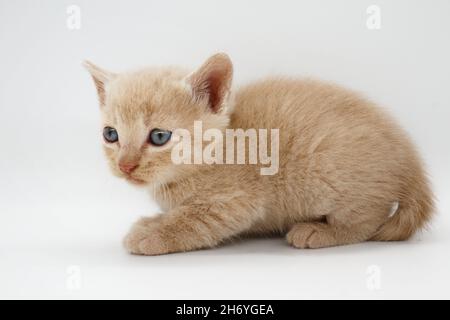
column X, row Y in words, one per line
column 63, row 215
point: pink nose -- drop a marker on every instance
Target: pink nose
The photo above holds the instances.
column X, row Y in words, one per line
column 127, row 167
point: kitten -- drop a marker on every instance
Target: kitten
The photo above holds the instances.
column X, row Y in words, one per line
column 343, row 163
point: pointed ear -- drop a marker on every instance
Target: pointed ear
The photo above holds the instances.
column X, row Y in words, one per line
column 213, row 81
column 101, row 78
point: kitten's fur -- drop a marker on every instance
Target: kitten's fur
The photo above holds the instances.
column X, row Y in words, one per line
column 343, row 163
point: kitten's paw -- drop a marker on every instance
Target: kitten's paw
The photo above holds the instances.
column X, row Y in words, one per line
column 145, row 242
column 144, row 238
column 133, row 238
column 153, row 245
column 310, row 236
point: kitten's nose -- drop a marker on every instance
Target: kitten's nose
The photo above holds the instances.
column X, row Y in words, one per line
column 127, row 167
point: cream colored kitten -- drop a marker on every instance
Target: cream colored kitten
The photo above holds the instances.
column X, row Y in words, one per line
column 343, row 164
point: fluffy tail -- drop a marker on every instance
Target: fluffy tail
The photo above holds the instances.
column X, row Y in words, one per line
column 414, row 211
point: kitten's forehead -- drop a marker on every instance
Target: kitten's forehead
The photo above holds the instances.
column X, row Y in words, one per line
column 141, row 94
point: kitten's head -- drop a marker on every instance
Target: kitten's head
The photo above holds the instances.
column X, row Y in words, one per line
column 141, row 111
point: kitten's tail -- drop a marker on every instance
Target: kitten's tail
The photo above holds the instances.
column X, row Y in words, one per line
column 414, row 211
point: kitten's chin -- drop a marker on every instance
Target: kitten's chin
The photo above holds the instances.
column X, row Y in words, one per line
column 135, row 181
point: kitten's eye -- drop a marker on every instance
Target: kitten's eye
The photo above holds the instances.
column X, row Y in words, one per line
column 159, row 137
column 110, row 134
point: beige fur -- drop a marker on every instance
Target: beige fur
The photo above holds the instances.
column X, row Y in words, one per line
column 343, row 163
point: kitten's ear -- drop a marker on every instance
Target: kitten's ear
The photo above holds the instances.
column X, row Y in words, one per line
column 101, row 78
column 213, row 81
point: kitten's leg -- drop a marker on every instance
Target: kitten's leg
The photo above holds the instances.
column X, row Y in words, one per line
column 191, row 227
column 339, row 229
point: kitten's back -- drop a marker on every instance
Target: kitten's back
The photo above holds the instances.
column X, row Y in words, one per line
column 330, row 136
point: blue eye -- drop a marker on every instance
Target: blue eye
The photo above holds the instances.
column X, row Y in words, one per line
column 110, row 134
column 159, row 137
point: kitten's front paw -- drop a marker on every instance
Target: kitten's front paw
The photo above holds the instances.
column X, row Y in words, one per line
column 144, row 239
